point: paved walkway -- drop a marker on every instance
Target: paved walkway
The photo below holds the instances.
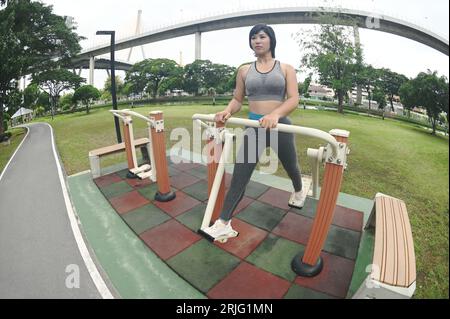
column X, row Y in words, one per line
column 42, row 254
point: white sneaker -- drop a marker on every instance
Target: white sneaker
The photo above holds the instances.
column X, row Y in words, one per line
column 220, row 231
column 297, row 199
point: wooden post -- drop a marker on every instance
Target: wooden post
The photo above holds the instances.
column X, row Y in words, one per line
column 310, row 263
column 214, row 153
column 128, row 150
column 164, row 193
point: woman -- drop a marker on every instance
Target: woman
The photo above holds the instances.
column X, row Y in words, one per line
column 272, row 91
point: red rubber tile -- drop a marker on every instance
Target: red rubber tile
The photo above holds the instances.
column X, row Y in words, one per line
column 276, row 197
column 185, row 166
column 348, row 218
column 138, row 183
column 243, row 204
column 249, row 238
column 294, row 227
column 169, row 239
column 106, row 180
column 335, row 276
column 249, row 282
column 182, row 180
column 128, row 201
column 182, row 203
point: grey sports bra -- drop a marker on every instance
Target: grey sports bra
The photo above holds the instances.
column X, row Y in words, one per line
column 265, row 86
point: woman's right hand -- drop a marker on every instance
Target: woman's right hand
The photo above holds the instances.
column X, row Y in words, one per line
column 222, row 116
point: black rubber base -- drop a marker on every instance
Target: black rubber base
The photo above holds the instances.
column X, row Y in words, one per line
column 206, row 235
column 131, row 175
column 167, row 197
column 305, row 270
column 293, row 206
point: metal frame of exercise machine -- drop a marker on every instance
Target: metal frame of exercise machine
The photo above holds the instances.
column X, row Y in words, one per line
column 308, row 263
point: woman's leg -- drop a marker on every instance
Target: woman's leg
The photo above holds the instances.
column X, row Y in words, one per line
column 287, row 154
column 246, row 160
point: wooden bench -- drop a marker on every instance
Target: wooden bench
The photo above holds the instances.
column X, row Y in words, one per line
column 393, row 271
column 94, row 155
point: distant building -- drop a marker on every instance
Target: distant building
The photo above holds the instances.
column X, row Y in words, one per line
column 320, row 91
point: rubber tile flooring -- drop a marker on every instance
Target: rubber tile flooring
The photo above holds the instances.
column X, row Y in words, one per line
column 256, row 264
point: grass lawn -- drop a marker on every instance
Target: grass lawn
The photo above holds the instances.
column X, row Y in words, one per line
column 392, row 157
column 6, row 151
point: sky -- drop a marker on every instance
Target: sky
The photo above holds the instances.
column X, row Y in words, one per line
column 231, row 46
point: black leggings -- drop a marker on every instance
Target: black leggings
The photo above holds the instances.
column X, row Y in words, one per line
column 248, row 156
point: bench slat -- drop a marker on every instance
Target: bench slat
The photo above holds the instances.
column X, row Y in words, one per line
column 410, row 247
column 402, row 253
column 117, row 147
column 394, row 250
column 378, row 250
column 390, row 247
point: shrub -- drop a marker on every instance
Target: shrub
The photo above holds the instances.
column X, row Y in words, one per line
column 5, row 136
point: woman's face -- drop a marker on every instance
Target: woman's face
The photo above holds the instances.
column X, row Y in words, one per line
column 260, row 43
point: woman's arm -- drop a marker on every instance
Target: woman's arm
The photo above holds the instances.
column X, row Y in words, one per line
column 290, row 104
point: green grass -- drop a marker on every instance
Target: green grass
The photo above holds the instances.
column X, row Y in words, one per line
column 6, row 151
column 397, row 158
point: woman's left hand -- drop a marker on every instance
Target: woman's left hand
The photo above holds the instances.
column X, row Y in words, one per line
column 269, row 121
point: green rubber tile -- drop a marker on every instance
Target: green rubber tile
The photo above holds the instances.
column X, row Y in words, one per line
column 342, row 242
column 364, row 259
column 309, row 209
column 200, row 172
column 149, row 191
column 172, row 171
column 144, row 218
column 275, row 255
column 198, row 190
column 193, row 218
column 203, row 265
column 299, row 292
column 123, row 173
column 116, row 189
column 254, row 189
column 134, row 271
column 262, row 215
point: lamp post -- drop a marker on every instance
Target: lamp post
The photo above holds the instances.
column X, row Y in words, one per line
column 113, row 82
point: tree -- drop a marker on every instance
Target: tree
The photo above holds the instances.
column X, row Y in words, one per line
column 380, row 97
column 408, row 96
column 30, row 96
column 429, row 91
column 119, row 85
column 391, row 83
column 32, row 39
column 150, row 74
column 86, row 94
column 66, row 101
column 194, row 76
column 304, row 87
column 44, row 101
column 367, row 78
column 333, row 55
column 55, row 81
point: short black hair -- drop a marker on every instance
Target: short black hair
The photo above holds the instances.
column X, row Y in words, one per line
column 269, row 31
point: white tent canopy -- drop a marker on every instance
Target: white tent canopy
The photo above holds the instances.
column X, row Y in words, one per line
column 21, row 111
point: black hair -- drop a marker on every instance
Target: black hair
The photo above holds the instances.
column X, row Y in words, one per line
column 267, row 30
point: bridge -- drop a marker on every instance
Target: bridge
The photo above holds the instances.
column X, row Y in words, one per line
column 288, row 15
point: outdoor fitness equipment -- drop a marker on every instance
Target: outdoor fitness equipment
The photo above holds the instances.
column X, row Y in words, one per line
column 308, row 263
column 134, row 171
column 157, row 171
